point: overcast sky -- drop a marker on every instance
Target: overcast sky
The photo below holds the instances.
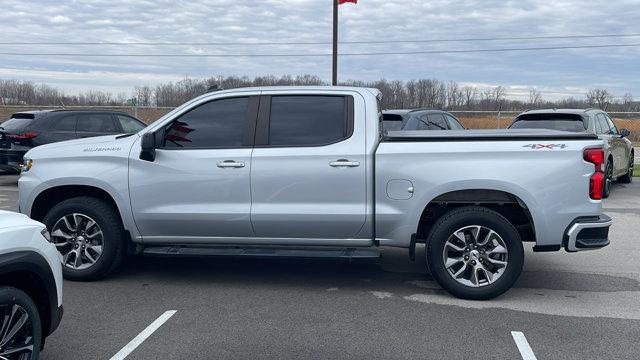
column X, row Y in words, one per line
column 555, row 73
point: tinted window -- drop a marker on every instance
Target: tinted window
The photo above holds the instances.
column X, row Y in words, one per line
column 307, row 120
column 15, row 124
column 67, row 123
column 432, row 122
column 392, row 122
column 101, row 123
column 561, row 122
column 216, row 124
column 130, row 125
column 453, row 123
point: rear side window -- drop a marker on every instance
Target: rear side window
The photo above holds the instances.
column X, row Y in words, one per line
column 308, row 120
column 101, row 123
column 130, row 125
column 67, row 123
column 432, row 122
column 603, row 125
column 216, row 124
column 561, row 122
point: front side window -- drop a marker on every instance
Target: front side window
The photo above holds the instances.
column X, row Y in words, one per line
column 453, row 123
column 130, row 125
column 100, row 123
column 216, row 124
column 307, row 120
column 612, row 126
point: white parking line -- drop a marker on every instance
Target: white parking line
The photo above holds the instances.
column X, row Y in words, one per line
column 523, row 345
column 133, row 344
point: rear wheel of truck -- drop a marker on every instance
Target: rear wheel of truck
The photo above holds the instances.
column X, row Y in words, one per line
column 88, row 233
column 474, row 253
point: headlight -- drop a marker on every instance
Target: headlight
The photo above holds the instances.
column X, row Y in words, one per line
column 45, row 234
column 27, row 164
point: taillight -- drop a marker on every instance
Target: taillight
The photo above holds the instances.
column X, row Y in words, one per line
column 596, row 183
column 27, row 135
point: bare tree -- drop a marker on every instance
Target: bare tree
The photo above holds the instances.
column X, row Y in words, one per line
column 535, row 97
column 470, row 94
column 627, row 102
column 599, row 97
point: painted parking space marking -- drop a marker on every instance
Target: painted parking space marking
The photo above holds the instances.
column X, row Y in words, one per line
column 523, row 345
column 133, row 344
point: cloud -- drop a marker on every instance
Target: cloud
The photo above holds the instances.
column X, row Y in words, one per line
column 559, row 72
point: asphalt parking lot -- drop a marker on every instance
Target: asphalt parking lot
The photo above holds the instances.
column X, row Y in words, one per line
column 567, row 306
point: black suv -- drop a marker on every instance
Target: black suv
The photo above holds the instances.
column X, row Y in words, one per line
column 419, row 119
column 26, row 130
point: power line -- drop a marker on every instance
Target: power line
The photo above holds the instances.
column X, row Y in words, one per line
column 454, row 51
column 562, row 37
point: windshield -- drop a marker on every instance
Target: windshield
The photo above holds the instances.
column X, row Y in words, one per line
column 569, row 122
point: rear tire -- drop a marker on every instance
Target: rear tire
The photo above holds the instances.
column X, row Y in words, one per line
column 103, row 253
column 492, row 258
column 628, row 177
column 15, row 304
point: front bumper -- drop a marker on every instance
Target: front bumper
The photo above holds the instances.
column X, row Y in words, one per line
column 587, row 233
column 11, row 159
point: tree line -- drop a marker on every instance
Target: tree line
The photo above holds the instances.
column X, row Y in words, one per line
column 421, row 93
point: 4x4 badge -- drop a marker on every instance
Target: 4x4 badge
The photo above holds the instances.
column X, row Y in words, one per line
column 546, row 146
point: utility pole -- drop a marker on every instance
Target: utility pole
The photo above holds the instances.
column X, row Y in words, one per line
column 334, row 81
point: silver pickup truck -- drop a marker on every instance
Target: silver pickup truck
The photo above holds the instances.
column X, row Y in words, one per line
column 307, row 172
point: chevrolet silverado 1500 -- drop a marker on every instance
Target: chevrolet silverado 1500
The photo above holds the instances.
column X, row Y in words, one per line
column 307, row 172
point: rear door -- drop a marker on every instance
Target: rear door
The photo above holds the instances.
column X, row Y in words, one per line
column 308, row 181
column 96, row 124
column 619, row 149
column 604, row 132
column 63, row 128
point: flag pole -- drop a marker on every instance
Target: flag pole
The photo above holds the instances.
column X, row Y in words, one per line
column 334, row 81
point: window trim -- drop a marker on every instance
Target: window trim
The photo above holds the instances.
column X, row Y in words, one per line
column 247, row 136
column 264, row 121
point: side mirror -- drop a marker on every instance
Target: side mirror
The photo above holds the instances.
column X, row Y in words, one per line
column 148, row 147
column 625, row 133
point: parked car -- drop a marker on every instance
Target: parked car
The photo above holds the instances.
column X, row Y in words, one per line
column 26, row 130
column 306, row 172
column 617, row 147
column 30, row 286
column 420, row 119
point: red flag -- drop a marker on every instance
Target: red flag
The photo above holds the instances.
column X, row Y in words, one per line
column 340, row 2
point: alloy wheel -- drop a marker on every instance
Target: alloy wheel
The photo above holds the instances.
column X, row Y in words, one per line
column 475, row 256
column 79, row 239
column 16, row 334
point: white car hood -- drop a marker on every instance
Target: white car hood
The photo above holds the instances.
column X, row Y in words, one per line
column 12, row 219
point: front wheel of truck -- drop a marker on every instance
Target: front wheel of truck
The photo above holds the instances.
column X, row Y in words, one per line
column 88, row 233
column 474, row 253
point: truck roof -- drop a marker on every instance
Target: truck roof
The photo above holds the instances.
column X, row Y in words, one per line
column 300, row 87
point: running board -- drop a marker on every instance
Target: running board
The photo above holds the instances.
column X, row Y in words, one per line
column 264, row 252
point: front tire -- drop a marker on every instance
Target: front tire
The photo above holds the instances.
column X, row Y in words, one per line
column 474, row 253
column 88, row 233
column 22, row 330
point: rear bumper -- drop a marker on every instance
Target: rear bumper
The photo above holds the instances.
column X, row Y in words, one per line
column 11, row 159
column 587, row 233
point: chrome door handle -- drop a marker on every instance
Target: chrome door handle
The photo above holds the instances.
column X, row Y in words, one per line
column 230, row 164
column 344, row 163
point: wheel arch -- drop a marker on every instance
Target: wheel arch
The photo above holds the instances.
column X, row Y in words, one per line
column 513, row 207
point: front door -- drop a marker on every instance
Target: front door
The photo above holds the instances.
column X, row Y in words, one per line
column 198, row 189
column 308, row 179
